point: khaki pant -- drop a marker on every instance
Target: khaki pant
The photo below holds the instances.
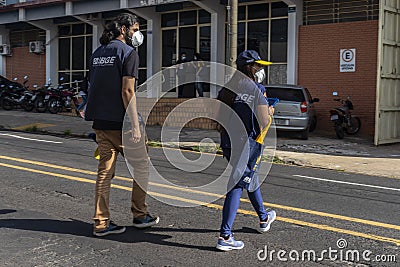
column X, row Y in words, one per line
column 110, row 144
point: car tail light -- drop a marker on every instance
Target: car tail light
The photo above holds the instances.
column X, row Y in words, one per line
column 303, row 107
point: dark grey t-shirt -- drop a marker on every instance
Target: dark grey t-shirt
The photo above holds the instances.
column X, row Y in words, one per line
column 108, row 64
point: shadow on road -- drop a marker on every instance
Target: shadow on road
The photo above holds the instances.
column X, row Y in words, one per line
column 79, row 228
column 6, row 211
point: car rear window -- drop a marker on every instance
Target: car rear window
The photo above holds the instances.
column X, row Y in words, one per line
column 286, row 94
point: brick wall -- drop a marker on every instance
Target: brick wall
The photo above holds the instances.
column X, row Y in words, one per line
column 22, row 63
column 164, row 106
column 319, row 51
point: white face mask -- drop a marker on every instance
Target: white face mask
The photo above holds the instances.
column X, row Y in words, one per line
column 260, row 75
column 137, row 39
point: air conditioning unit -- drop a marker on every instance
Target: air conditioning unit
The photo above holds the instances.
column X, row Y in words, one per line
column 5, row 49
column 36, row 47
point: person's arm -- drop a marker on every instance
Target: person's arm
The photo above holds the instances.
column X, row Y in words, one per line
column 129, row 98
column 130, row 73
column 264, row 111
column 263, row 115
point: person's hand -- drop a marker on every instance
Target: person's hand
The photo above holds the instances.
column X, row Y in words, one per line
column 135, row 135
column 271, row 110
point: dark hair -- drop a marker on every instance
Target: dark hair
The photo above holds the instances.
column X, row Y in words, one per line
column 246, row 70
column 113, row 29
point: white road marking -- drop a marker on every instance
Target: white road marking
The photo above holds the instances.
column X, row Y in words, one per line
column 31, row 139
column 343, row 182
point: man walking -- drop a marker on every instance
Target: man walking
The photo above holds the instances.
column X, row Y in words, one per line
column 112, row 76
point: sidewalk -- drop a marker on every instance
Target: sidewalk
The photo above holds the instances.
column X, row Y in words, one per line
column 352, row 154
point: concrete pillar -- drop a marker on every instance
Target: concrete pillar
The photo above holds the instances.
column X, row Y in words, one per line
column 4, row 39
column 51, row 47
column 154, row 55
column 295, row 19
column 217, row 37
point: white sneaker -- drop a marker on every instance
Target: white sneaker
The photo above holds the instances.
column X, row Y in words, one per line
column 229, row 244
column 264, row 226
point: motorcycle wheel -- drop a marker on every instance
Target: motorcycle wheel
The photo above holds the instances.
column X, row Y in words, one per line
column 7, row 104
column 40, row 105
column 54, row 106
column 27, row 106
column 354, row 127
column 339, row 130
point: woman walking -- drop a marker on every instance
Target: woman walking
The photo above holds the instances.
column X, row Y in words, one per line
column 251, row 106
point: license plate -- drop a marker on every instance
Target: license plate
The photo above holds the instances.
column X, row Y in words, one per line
column 334, row 117
column 281, row 122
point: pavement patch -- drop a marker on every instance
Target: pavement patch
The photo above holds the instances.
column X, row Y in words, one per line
column 32, row 126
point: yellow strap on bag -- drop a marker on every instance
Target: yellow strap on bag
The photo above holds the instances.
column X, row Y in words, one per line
column 96, row 154
column 260, row 138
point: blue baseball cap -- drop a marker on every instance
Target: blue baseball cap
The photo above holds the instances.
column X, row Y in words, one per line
column 250, row 56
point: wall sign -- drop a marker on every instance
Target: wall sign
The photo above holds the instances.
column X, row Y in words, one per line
column 348, row 60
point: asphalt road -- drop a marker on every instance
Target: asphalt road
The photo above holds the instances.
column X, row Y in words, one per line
column 46, row 205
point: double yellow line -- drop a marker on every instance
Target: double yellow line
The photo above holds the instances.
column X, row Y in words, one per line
column 210, row 205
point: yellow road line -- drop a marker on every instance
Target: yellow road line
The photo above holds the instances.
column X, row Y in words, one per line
column 278, row 206
column 37, row 125
column 219, row 207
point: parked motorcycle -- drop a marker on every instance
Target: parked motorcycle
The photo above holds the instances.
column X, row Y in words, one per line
column 63, row 98
column 14, row 96
column 343, row 120
column 42, row 97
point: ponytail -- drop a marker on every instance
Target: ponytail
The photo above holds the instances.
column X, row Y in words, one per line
column 113, row 29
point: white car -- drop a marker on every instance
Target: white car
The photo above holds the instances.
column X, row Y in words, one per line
column 295, row 110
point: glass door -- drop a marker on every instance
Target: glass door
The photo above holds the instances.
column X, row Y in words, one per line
column 188, row 44
column 190, row 39
column 169, row 58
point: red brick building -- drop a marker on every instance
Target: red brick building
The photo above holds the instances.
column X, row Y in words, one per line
column 318, row 68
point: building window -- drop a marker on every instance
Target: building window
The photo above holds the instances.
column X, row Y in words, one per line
column 257, row 37
column 187, row 18
column 74, row 51
column 335, row 11
column 259, row 11
column 184, row 31
column 169, row 20
column 279, row 40
column 264, row 27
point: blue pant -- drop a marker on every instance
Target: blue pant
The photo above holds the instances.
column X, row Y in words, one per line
column 83, row 104
column 232, row 202
column 199, row 88
column 231, row 206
